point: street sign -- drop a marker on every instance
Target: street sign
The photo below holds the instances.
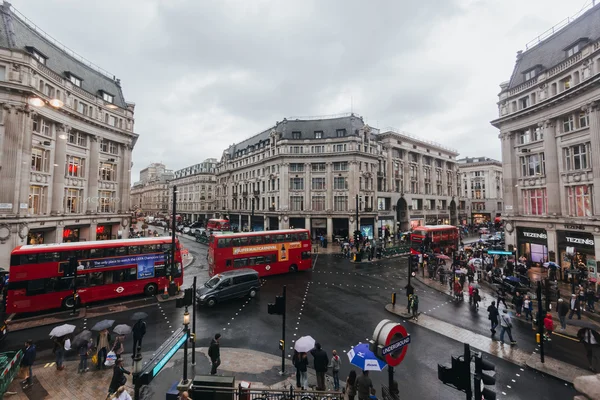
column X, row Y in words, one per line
column 390, row 342
column 396, row 345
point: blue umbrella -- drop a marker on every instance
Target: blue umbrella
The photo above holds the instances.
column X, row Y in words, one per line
column 364, row 358
column 551, row 264
column 512, row 279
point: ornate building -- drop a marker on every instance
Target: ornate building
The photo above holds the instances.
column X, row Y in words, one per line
column 150, row 195
column 314, row 173
column 66, row 140
column 196, row 194
column 549, row 126
column 481, row 179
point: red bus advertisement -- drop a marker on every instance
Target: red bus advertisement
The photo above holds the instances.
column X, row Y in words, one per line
column 268, row 252
column 106, row 269
column 441, row 238
column 218, row 225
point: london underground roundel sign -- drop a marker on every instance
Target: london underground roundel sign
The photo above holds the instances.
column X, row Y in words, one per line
column 392, row 342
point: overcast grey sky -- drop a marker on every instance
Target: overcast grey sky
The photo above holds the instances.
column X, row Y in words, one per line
column 206, row 74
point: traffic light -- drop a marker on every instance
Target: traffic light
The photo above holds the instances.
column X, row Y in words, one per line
column 281, row 345
column 459, row 374
column 278, row 307
column 71, row 268
column 481, row 366
column 192, row 337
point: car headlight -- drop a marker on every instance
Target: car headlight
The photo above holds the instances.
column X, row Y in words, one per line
column 202, row 297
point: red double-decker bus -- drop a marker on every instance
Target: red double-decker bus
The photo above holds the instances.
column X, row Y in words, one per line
column 440, row 238
column 268, row 252
column 106, row 269
column 218, row 225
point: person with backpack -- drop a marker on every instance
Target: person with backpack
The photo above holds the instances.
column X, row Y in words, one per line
column 139, row 330
column 414, row 306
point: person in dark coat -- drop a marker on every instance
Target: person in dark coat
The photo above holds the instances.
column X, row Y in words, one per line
column 214, row 352
column 321, row 364
column 493, row 316
column 118, row 379
column 575, row 306
column 562, row 311
column 296, row 362
column 139, row 330
column 28, row 360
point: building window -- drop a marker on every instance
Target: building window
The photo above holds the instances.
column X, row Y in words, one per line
column 77, row 138
column 340, row 183
column 340, row 203
column 104, row 145
column 40, row 160
column 113, row 121
column 532, row 165
column 296, row 183
column 568, row 123
column 297, row 203
column 49, row 91
column 318, row 184
column 318, row 203
column 580, row 200
column 576, row 157
column 318, row 167
column 340, row 132
column 317, row 149
column 296, row 149
column 37, row 199
column 296, row 167
column 535, row 201
column 73, row 200
column 573, row 50
column 296, row 135
column 340, row 166
column 75, row 166
column 338, row 148
column 530, row 74
column 566, row 83
column 75, row 80
column 39, row 57
column 107, row 97
column 318, row 134
column 584, row 120
column 108, row 172
column 106, row 201
column 524, row 102
column 524, row 137
column 82, row 108
column 537, row 133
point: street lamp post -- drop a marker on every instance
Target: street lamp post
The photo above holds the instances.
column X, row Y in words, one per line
column 357, row 223
column 174, row 211
column 194, row 322
column 186, row 323
column 137, row 368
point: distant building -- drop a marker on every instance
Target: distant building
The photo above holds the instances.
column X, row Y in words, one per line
column 150, row 195
column 196, row 194
column 66, row 139
column 481, row 179
column 155, row 171
column 549, row 122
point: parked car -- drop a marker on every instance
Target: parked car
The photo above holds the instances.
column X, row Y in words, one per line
column 186, row 230
column 229, row 285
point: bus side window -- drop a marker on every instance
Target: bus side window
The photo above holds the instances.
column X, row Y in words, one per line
column 29, row 259
column 121, row 251
column 37, row 286
column 256, row 239
column 267, row 239
column 96, row 253
column 96, row 278
column 134, row 249
column 82, row 254
column 294, row 237
column 223, row 243
column 244, row 241
column 48, row 257
column 110, row 252
column 252, row 261
column 240, row 263
column 235, row 242
column 303, row 235
column 82, row 281
column 260, row 260
column 270, row 259
column 288, row 237
column 228, row 263
column 159, row 270
column 279, row 239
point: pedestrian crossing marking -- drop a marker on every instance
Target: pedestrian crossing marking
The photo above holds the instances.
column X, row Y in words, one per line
column 48, row 365
column 565, row 336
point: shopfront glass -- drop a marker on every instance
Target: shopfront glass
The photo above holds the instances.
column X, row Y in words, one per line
column 34, row 237
column 71, row 235
column 533, row 244
column 103, row 232
column 582, row 247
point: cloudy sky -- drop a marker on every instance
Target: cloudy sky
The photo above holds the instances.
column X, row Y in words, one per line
column 206, row 74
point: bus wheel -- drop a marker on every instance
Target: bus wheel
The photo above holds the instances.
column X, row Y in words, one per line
column 151, row 289
column 252, row 293
column 294, row 268
column 211, row 302
column 69, row 303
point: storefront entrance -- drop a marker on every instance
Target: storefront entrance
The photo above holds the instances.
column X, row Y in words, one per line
column 297, row 223
column 340, row 228
column 71, row 234
column 367, row 226
column 104, row 232
column 37, row 236
column 318, row 227
column 533, row 244
column 481, row 218
column 582, row 247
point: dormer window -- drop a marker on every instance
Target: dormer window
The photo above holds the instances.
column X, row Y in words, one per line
column 75, row 80
column 530, row 74
column 573, row 50
column 340, row 133
column 318, row 134
column 296, row 135
column 38, row 55
column 109, row 98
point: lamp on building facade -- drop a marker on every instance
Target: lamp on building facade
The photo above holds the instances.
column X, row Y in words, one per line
column 36, row 102
column 56, row 103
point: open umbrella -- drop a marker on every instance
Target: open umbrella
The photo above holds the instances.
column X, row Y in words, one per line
column 139, row 315
column 512, row 279
column 443, row 257
column 364, row 358
column 81, row 337
column 584, row 324
column 104, row 324
column 122, row 329
column 304, row 344
column 62, row 330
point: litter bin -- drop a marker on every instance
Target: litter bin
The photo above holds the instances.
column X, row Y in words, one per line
column 245, row 390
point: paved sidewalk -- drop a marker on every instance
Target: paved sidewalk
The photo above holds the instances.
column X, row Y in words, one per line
column 513, row 354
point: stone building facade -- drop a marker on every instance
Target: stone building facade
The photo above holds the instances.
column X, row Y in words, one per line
column 549, row 126
column 150, row 195
column 315, row 173
column 196, row 194
column 66, row 140
column 481, row 181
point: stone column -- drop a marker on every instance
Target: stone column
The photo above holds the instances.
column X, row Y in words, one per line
column 16, row 158
column 510, row 168
column 421, row 175
column 240, row 222
column 330, row 229
column 284, row 182
column 307, row 188
column 92, row 232
column 307, row 223
column 390, row 173
column 265, row 223
column 126, row 177
column 93, row 177
column 23, row 124
column 594, row 115
column 58, row 176
column 551, row 168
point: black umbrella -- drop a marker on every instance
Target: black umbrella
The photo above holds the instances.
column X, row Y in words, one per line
column 104, row 324
column 82, row 337
column 584, row 324
column 139, row 315
column 582, row 334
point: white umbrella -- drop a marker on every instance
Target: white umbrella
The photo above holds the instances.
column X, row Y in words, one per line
column 304, row 344
column 62, row 330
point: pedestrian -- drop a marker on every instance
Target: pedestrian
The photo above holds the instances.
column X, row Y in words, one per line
column 590, row 297
column 139, row 330
column 527, row 307
column 118, row 379
column 409, row 292
column 517, row 301
column 102, row 344
column 575, row 306
column 493, row 316
column 27, row 362
column 321, row 362
column 84, row 350
column 591, row 341
column 414, row 306
column 336, row 363
column 303, row 368
column 184, row 396
column 59, row 352
column 364, row 386
column 118, row 347
column 562, row 310
column 502, row 296
column 351, row 385
column 296, row 363
column 549, row 325
column 581, row 297
column 471, row 288
column 214, row 352
column 506, row 326
column 122, row 394
column 476, row 298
